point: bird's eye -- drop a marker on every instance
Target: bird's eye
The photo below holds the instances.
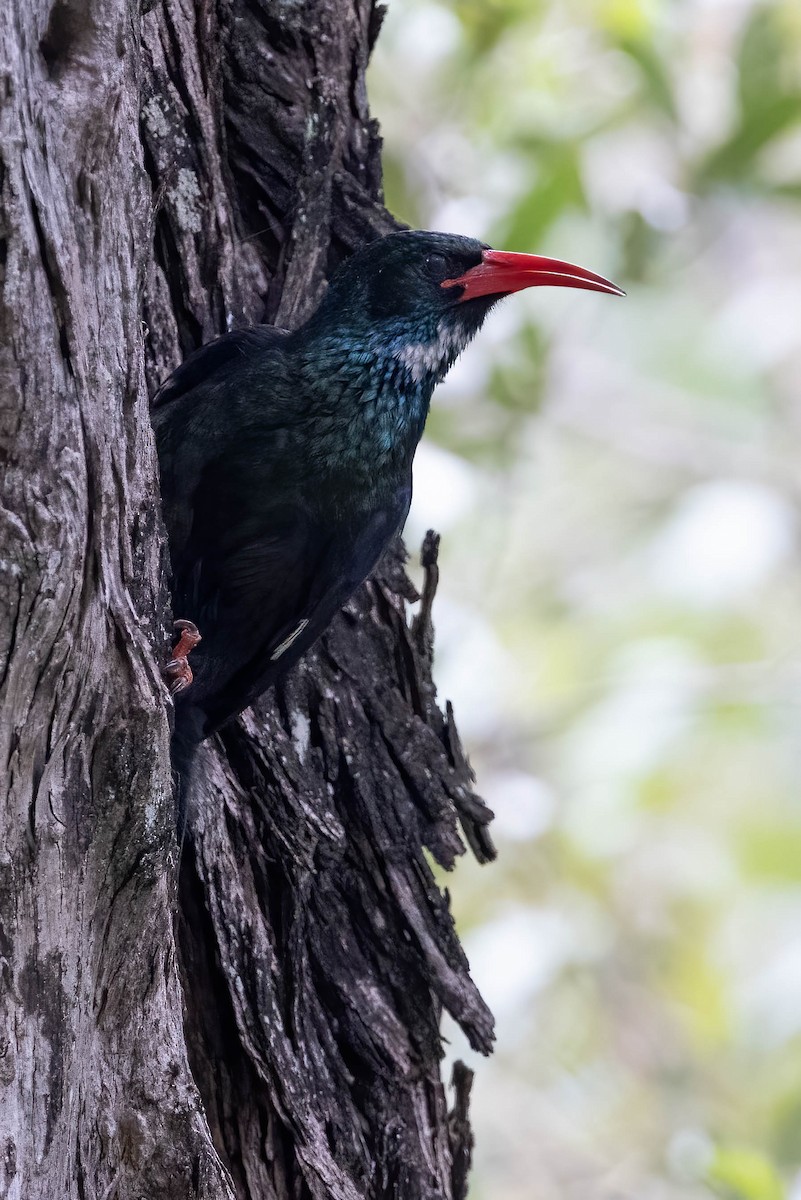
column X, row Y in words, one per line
column 437, row 266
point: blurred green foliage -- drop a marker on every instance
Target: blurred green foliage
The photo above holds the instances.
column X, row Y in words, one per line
column 744, row 1175
column 618, row 621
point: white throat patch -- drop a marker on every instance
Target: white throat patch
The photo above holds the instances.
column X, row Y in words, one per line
column 433, row 358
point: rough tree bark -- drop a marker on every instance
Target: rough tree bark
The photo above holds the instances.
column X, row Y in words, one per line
column 267, row 1027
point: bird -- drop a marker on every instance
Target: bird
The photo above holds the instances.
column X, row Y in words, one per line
column 285, row 457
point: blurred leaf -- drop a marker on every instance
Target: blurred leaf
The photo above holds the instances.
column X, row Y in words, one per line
column 735, row 158
column 786, row 1116
column 640, row 244
column 770, row 853
column 658, row 791
column 761, row 53
column 624, row 18
column 787, row 191
column 488, row 443
column 558, row 188
column 400, row 199
column 519, row 385
column 698, row 987
column 735, row 719
column 486, row 21
column 740, row 1174
column 658, row 87
column 769, row 104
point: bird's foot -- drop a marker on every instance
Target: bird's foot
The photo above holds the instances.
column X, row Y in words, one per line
column 178, row 673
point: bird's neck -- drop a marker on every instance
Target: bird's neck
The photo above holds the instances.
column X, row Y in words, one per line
column 370, row 396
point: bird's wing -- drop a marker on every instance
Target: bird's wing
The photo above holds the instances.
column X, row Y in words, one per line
column 204, row 363
column 269, row 599
column 222, row 431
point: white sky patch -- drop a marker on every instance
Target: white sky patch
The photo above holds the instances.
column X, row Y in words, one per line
column 762, row 322
column 724, row 540
column 517, row 955
column 524, row 806
column 472, row 668
column 629, row 733
column 689, row 1153
column 650, row 703
column 444, row 490
column 425, row 36
column 767, row 999
column 632, row 170
column 468, row 215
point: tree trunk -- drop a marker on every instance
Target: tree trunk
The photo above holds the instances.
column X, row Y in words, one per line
column 267, row 1026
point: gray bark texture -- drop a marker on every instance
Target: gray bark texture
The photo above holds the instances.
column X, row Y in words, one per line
column 264, row 1022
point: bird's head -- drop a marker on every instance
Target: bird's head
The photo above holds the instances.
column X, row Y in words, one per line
column 422, row 296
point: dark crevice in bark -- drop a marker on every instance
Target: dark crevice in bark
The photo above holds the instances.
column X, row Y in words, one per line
column 55, row 284
column 190, row 329
column 69, row 32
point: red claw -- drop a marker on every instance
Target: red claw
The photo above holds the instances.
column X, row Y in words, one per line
column 177, row 673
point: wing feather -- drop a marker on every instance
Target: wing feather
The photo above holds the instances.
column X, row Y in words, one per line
column 276, row 603
column 206, row 361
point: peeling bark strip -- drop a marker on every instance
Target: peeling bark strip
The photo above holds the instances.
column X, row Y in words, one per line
column 165, row 174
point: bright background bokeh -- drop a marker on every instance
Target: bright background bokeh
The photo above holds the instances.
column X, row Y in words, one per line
column 619, row 620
